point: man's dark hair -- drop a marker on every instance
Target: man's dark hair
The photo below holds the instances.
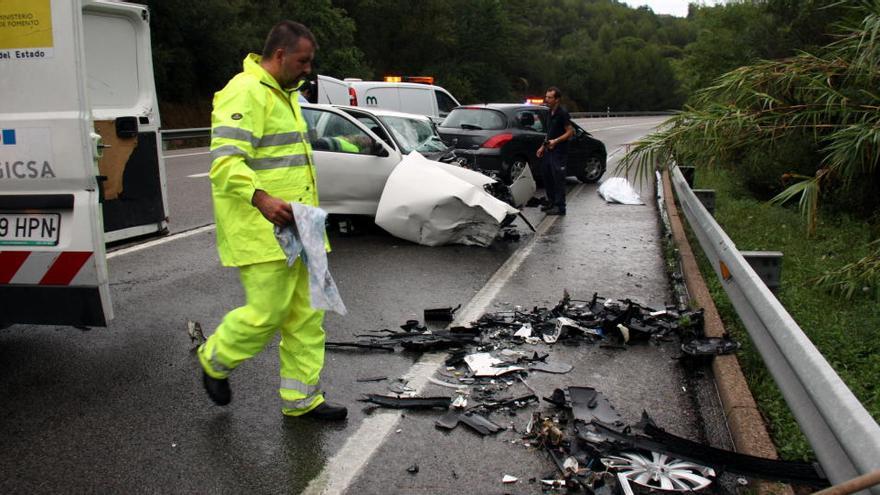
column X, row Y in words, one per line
column 286, row 35
column 556, row 92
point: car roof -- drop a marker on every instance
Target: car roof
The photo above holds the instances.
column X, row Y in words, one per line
column 505, row 107
column 379, row 112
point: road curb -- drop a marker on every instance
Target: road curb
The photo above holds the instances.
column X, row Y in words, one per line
column 743, row 418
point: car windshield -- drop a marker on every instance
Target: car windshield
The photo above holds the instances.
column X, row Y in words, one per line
column 475, row 119
column 414, row 134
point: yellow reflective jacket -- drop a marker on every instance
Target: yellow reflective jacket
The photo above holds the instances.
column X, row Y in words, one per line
column 258, row 141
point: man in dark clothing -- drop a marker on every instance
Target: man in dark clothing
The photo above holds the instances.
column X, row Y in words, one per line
column 554, row 153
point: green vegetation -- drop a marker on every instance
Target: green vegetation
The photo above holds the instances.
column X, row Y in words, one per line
column 806, row 126
column 847, row 333
column 601, row 53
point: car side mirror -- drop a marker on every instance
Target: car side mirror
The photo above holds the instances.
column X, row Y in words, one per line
column 378, row 149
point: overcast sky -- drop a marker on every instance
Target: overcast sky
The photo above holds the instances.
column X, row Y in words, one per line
column 675, row 7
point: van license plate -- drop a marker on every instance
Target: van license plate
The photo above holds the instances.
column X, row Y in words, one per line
column 29, row 229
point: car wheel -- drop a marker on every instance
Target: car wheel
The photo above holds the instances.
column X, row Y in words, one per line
column 593, row 170
column 510, row 171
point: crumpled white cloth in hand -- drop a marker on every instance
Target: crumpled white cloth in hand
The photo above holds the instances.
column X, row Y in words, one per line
column 618, row 190
column 305, row 238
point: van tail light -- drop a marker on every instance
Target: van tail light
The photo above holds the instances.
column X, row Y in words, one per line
column 497, row 141
column 352, row 97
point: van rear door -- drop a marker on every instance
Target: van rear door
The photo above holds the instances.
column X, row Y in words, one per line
column 122, row 95
column 53, row 266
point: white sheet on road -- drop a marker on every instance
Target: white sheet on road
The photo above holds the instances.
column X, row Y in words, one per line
column 432, row 204
column 619, row 190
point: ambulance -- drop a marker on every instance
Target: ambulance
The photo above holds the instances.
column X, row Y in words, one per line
column 80, row 154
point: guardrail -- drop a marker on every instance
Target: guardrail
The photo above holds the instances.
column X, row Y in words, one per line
column 609, row 113
column 203, row 132
column 843, row 434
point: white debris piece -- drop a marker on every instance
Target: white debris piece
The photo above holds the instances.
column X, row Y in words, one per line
column 509, row 479
column 427, row 203
column 525, row 331
column 483, row 364
column 619, row 190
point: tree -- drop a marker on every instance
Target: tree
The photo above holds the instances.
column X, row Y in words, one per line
column 829, row 96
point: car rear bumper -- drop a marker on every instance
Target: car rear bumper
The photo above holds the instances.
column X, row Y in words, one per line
column 482, row 158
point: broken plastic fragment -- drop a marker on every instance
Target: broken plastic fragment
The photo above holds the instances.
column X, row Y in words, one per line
column 483, row 364
column 408, row 402
column 441, row 314
column 525, row 331
column 551, row 367
column 479, row 423
column 570, row 466
column 509, row 479
column 707, row 347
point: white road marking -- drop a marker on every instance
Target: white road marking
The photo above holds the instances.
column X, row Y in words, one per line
column 186, row 154
column 205, row 174
column 349, row 461
column 149, row 244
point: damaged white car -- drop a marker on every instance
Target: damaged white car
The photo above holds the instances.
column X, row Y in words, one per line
column 356, row 152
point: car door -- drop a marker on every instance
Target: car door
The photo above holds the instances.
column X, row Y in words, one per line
column 532, row 132
column 352, row 163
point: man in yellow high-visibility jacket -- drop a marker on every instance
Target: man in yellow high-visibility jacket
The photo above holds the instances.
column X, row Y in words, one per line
column 261, row 161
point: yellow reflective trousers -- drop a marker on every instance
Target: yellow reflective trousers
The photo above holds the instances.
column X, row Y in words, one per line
column 277, row 297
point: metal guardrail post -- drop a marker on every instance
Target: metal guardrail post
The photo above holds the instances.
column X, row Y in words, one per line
column 768, row 266
column 707, row 197
column 845, row 438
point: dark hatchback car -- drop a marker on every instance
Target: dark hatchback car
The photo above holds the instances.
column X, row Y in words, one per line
column 506, row 136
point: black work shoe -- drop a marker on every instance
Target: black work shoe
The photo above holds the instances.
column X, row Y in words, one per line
column 547, row 207
column 327, row 411
column 218, row 389
column 556, row 211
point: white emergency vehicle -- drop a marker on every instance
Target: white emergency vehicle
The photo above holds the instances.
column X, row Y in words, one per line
column 80, row 154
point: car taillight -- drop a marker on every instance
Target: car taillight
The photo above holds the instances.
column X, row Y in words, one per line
column 352, row 97
column 497, row 141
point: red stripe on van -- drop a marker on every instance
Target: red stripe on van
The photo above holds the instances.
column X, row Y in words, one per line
column 10, row 262
column 65, row 267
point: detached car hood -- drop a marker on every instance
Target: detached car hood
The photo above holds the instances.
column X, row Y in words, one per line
column 432, row 203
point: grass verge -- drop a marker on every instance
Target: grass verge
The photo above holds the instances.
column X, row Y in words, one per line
column 847, row 333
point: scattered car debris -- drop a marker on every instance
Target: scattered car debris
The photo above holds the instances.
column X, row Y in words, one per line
column 479, row 423
column 483, row 364
column 592, row 448
column 194, row 330
column 552, row 367
column 360, row 345
column 704, row 349
column 408, row 402
column 660, row 472
column 509, row 479
column 413, row 469
column 656, row 439
column 371, row 379
column 441, row 314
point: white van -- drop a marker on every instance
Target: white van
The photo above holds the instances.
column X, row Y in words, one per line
column 80, row 154
column 332, row 91
column 422, row 99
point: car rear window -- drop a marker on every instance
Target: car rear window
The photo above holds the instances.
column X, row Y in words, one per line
column 469, row 117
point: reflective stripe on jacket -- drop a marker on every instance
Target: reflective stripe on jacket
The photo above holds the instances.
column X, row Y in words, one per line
column 258, row 141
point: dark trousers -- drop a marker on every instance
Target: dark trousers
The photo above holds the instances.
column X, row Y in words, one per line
column 553, row 172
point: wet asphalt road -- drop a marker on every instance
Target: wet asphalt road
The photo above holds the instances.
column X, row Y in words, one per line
column 121, row 409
